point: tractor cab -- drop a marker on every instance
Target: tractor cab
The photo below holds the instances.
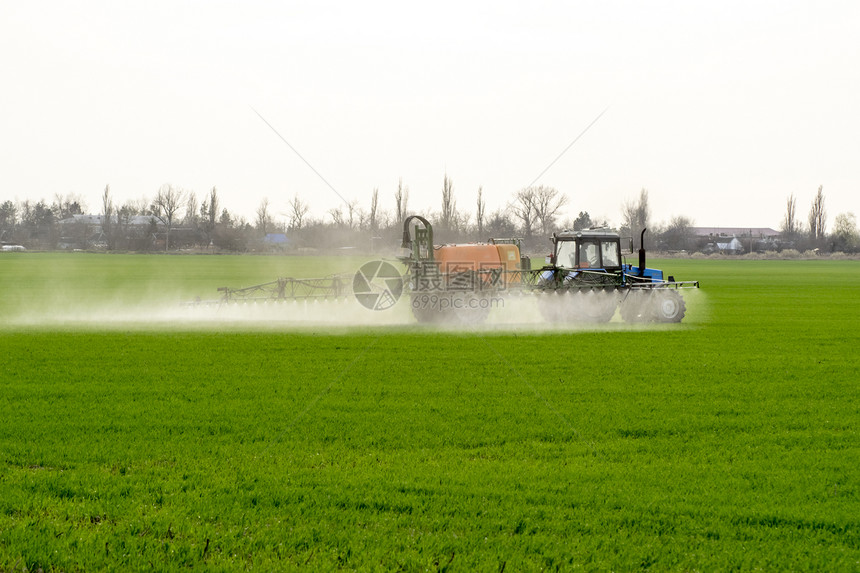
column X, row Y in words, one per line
column 591, row 249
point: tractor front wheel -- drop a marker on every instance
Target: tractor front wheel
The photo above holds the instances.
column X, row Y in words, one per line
column 668, row 306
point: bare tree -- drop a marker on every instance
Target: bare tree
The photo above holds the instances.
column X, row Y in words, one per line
column 166, row 206
column 817, row 216
column 401, row 202
column 65, row 206
column 337, row 217
column 352, row 213
column 449, row 205
column 214, row 205
column 264, row 218
column 790, row 226
column 191, row 210
column 139, row 206
column 209, row 214
column 297, row 211
column 107, row 215
column 523, row 210
column 123, row 222
column 637, row 215
column 25, row 213
column 480, row 212
column 374, row 208
column 548, row 201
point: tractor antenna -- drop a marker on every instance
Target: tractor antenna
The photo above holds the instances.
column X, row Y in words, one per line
column 587, row 127
column 300, row 155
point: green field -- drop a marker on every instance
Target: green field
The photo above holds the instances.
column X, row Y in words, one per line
column 728, row 442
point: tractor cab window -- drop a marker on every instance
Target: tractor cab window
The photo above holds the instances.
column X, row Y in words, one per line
column 589, row 254
column 565, row 254
column 611, row 251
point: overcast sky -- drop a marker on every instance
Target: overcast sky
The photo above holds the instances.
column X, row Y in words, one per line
column 719, row 109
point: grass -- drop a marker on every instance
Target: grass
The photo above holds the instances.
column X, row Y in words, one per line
column 727, row 442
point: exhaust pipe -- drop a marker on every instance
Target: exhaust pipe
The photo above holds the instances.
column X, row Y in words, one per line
column 642, row 253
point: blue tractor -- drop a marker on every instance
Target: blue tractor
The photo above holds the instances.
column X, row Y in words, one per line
column 587, row 279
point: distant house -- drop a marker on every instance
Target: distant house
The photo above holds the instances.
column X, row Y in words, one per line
column 729, row 246
column 95, row 222
column 87, row 231
column 736, row 240
column 750, row 232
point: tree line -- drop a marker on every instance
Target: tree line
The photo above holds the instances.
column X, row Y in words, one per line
column 175, row 218
column 843, row 236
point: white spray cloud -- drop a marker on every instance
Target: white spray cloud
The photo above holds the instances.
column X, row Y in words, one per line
column 509, row 314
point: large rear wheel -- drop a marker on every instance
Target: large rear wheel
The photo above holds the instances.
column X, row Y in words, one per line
column 469, row 308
